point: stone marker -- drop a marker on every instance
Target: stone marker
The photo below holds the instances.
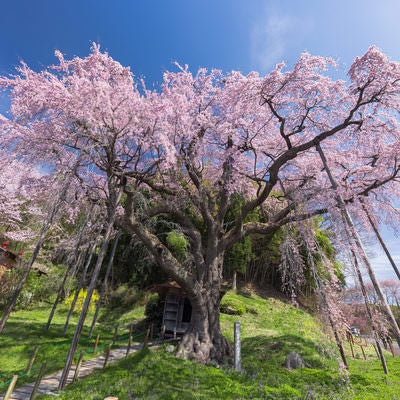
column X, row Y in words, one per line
column 294, row 361
column 170, row 348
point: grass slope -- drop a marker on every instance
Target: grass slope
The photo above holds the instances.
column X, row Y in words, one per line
column 270, row 329
column 25, row 330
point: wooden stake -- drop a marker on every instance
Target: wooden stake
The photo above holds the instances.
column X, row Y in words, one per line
column 11, row 387
column 78, row 367
column 129, row 345
column 116, row 195
column 146, row 338
column 163, row 333
column 107, row 355
column 96, row 343
column 350, row 340
column 380, row 239
column 104, row 285
column 376, row 351
column 389, row 340
column 81, row 282
column 362, row 349
column 37, row 383
column 354, row 238
column 32, row 360
column 115, row 336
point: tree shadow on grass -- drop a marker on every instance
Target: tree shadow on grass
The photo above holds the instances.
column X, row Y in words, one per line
column 265, row 356
column 20, row 337
column 274, row 349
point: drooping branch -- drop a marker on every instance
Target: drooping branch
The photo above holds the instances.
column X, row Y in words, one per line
column 354, row 236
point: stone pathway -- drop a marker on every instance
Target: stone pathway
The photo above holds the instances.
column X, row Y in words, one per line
column 49, row 384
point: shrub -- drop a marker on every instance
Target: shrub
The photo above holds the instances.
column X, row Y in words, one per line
column 177, row 243
column 232, row 306
column 39, row 287
column 125, row 296
column 81, row 299
column 154, row 309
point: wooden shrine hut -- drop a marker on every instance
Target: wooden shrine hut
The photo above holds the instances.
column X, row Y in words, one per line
column 8, row 261
column 177, row 308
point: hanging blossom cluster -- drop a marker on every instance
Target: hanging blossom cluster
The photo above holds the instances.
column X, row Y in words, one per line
column 291, row 267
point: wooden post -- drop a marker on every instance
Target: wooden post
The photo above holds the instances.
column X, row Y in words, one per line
column 11, row 387
column 80, row 284
column 104, row 285
column 62, row 286
column 350, row 340
column 376, row 351
column 32, row 360
column 237, row 360
column 354, row 239
column 114, row 199
column 380, row 239
column 115, row 336
column 96, row 343
column 389, row 340
column 131, row 329
column 37, row 383
column 107, row 355
column 152, row 331
column 146, row 338
column 78, row 367
column 129, row 345
column 174, row 332
column 362, row 349
column 163, row 333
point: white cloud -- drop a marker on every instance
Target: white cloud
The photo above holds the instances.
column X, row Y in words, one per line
column 269, row 40
column 379, row 260
column 277, row 35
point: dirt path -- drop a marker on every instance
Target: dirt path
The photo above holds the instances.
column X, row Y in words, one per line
column 49, row 384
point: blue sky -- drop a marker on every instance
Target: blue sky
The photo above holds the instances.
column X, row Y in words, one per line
column 149, row 35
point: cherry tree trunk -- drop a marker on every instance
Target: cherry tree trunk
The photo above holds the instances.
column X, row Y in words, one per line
column 203, row 341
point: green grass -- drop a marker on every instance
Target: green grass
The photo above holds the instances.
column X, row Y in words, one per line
column 270, row 329
column 25, row 330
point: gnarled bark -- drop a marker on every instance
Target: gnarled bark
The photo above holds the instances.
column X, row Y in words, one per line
column 204, row 341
